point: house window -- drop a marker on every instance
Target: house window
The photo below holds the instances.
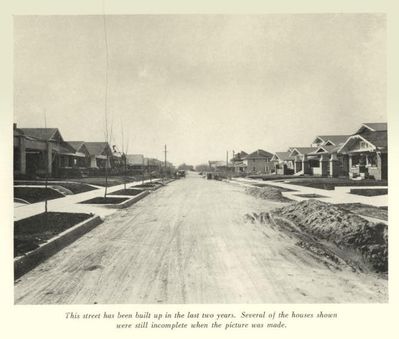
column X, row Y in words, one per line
column 364, row 144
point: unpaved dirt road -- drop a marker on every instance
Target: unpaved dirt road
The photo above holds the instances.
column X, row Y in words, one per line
column 190, row 242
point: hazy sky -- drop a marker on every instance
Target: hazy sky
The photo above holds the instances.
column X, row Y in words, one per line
column 202, row 84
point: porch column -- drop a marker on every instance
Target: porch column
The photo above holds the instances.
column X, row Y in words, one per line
column 324, row 164
column 49, row 158
column 334, row 165
column 22, row 156
column 297, row 164
column 305, row 165
column 378, row 175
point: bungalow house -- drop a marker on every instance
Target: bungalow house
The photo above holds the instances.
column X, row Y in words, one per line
column 135, row 163
column 40, row 151
column 82, row 155
column 367, row 152
column 303, row 163
column 100, row 154
column 283, row 163
column 259, row 162
column 238, row 162
column 152, row 165
column 330, row 163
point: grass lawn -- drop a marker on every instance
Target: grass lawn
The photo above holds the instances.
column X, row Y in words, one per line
column 148, row 185
column 102, row 200
column 35, row 194
column 29, row 233
column 74, row 187
column 369, row 192
column 331, row 183
column 129, row 191
column 100, row 181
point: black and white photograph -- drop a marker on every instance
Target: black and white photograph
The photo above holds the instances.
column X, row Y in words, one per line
column 200, row 159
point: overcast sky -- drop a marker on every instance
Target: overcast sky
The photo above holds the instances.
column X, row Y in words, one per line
column 202, row 84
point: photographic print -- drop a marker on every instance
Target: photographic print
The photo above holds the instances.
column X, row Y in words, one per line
column 200, row 159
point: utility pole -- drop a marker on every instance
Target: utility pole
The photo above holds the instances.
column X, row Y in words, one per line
column 165, row 151
column 227, row 164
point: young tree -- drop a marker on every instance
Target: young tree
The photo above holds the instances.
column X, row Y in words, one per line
column 125, row 149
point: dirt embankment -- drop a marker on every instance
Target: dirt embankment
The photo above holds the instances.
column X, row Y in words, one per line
column 268, row 193
column 344, row 229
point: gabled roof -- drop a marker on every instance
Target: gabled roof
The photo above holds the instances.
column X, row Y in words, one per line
column 76, row 144
column 334, row 139
column 322, row 149
column 303, row 150
column 259, row 154
column 66, row 148
column 18, row 132
column 45, row 134
column 282, row 156
column 377, row 139
column 97, row 148
column 373, row 127
column 152, row 162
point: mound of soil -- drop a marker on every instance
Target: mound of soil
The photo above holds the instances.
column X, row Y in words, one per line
column 341, row 227
column 268, row 193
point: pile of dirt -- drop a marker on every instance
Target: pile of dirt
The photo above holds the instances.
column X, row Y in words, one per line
column 341, row 227
column 268, row 193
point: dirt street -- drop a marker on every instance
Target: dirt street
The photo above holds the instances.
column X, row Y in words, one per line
column 190, row 242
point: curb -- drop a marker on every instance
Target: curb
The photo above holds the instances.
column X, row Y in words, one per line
column 130, row 201
column 24, row 264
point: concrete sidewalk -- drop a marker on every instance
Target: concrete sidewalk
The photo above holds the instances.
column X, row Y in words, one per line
column 70, row 203
column 340, row 195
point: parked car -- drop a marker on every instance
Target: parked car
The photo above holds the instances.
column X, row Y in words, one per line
column 180, row 174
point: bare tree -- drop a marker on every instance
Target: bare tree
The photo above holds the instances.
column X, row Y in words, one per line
column 107, row 133
column 125, row 149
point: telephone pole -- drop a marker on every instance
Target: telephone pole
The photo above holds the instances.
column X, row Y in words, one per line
column 165, row 151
